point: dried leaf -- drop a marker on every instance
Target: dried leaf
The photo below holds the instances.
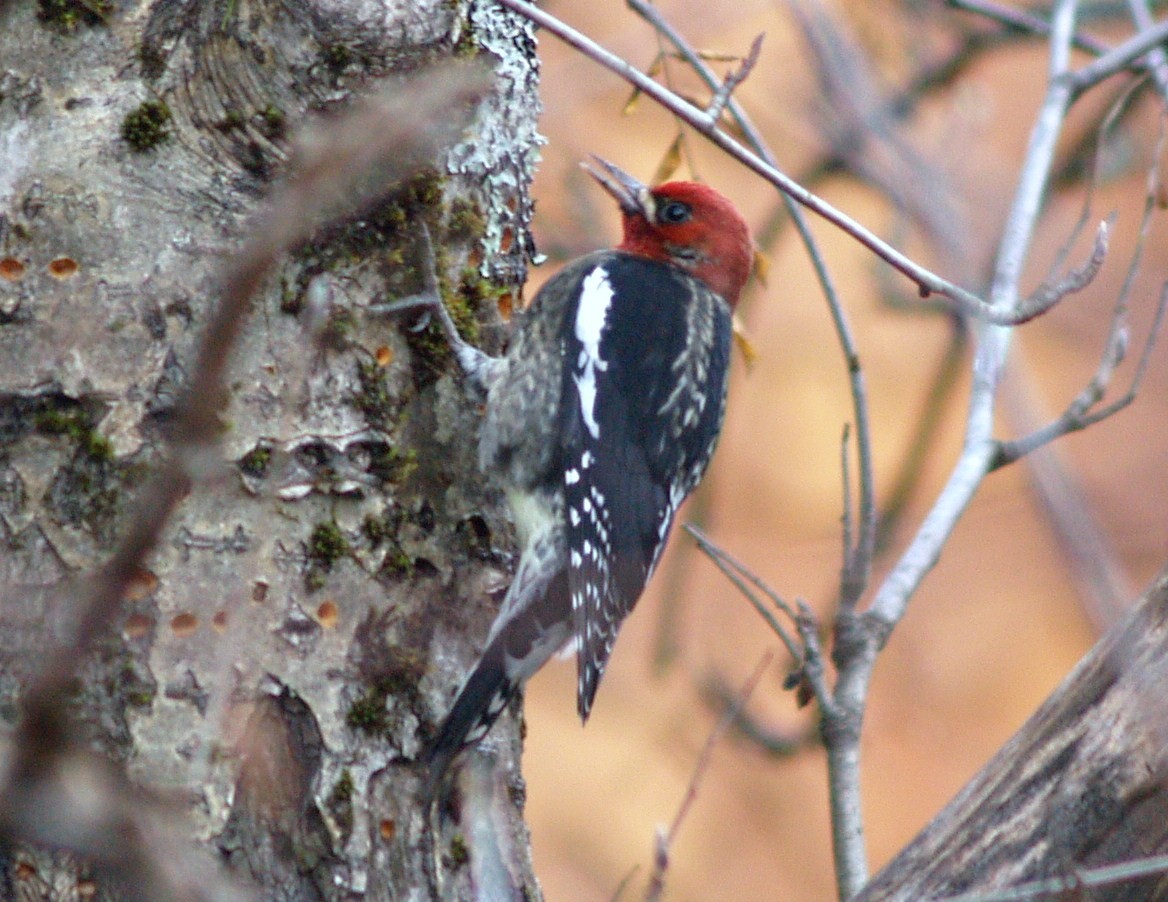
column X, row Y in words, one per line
column 761, row 267
column 670, row 161
column 652, row 72
column 719, row 56
column 743, row 343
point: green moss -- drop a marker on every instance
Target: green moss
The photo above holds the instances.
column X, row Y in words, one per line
column 343, row 789
column 336, row 57
column 376, row 529
column 256, row 461
column 233, row 119
column 466, row 220
column 373, row 397
column 459, row 853
column 75, row 424
column 150, row 60
column 147, row 126
column 291, row 298
column 140, row 699
column 397, row 564
column 392, row 465
column 462, row 307
column 327, row 544
column 340, row 803
column 367, row 714
column 273, row 122
column 425, row 189
column 467, row 46
column 339, row 328
column 66, row 15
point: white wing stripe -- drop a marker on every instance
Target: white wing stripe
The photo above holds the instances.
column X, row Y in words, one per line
column 591, row 314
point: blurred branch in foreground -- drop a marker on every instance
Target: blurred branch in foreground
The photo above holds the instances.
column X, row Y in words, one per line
column 53, row 792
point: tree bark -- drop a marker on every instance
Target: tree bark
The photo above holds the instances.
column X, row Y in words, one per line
column 310, row 609
column 1080, row 786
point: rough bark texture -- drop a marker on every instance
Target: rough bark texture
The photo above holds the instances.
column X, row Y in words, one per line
column 1081, row 785
column 311, row 610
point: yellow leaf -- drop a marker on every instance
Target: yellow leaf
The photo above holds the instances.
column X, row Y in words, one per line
column 631, row 103
column 743, row 343
column 718, row 56
column 669, row 162
column 761, row 268
column 654, row 68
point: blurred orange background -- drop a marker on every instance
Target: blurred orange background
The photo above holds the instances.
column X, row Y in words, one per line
column 1001, row 618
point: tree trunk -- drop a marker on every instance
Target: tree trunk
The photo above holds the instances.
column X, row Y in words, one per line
column 1080, row 786
column 309, row 612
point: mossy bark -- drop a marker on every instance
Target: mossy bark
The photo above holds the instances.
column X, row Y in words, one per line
column 310, row 608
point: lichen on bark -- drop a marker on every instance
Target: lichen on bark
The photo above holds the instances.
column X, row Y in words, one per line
column 238, row 659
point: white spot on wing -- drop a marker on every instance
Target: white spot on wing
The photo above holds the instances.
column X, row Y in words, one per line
column 591, row 314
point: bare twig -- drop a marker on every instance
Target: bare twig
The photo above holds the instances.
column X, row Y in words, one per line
column 892, row 597
column 1095, row 567
column 743, row 579
column 1050, row 293
column 780, row 744
column 1079, row 414
column 1122, row 57
column 928, row 282
column 1157, row 59
column 665, row 837
column 1025, row 22
column 858, row 558
column 859, row 640
column 733, row 80
column 1072, row 885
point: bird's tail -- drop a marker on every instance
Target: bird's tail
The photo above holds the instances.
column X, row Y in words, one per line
column 479, row 704
column 525, row 636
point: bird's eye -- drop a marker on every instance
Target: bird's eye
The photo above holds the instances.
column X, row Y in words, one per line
column 674, row 212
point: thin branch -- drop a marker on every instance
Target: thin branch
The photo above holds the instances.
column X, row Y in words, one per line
column 1157, row 59
column 928, row 283
column 1024, row 22
column 742, row 578
column 1071, row 885
column 1122, row 57
column 719, row 694
column 733, row 80
column 859, row 642
column 1076, row 417
column 665, row 838
column 859, row 557
column 846, row 518
column 979, row 450
column 1078, row 414
column 1050, row 293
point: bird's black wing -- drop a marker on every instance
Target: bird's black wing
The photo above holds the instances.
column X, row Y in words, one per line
column 643, row 395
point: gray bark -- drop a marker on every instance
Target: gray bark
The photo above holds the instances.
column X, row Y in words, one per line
column 1080, row 786
column 308, row 613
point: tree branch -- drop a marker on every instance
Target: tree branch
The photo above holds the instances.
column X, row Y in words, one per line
column 928, row 283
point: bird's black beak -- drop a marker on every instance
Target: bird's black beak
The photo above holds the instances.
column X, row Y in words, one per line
column 634, row 197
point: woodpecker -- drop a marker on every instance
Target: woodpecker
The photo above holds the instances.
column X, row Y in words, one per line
column 599, row 421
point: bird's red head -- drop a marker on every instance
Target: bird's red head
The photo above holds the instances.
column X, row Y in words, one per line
column 686, row 224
